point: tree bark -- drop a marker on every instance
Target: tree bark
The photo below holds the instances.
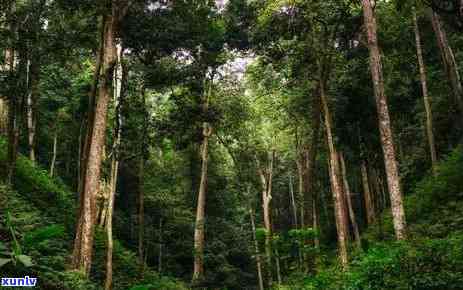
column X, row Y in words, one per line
column 55, row 150
column 266, row 176
column 120, row 80
column 392, row 170
column 340, row 213
column 83, row 244
column 256, row 249
column 424, row 89
column 160, row 247
column 311, row 157
column 315, row 224
column 198, row 272
column 348, row 195
column 300, row 185
column 449, row 62
column 369, row 206
column 141, row 211
column 293, row 201
column 198, row 265
column 31, row 106
column 3, row 116
column 277, row 266
column 14, row 107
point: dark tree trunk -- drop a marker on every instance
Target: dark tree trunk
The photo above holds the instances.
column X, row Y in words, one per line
column 367, row 194
column 449, row 62
column 350, row 207
column 426, row 99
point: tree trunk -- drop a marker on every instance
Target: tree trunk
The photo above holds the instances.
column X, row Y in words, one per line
column 369, row 207
column 385, row 129
column 426, row 99
column 277, row 265
column 315, row 224
column 13, row 107
column 31, row 106
column 198, row 265
column 300, row 185
column 160, row 247
column 448, row 60
column 141, row 212
column 311, row 157
column 83, row 244
column 13, row 137
column 3, row 116
column 141, row 192
column 340, row 214
column 293, row 202
column 109, row 220
column 257, row 253
column 198, row 271
column 348, row 194
column 120, row 80
column 55, row 150
column 266, row 176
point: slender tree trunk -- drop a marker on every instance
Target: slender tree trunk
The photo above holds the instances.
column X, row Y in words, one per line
column 109, row 221
column 83, row 244
column 198, row 265
column 448, row 60
column 311, row 157
column 198, row 273
column 160, row 247
column 300, row 186
column 55, row 151
column 13, row 137
column 141, row 192
column 3, row 117
column 120, row 80
column 31, row 104
column 13, row 105
column 349, row 202
column 385, row 129
column 256, row 249
column 424, row 89
column 266, row 176
column 369, row 207
column 315, row 224
column 293, row 202
column 141, row 211
column 277, row 265
column 340, row 214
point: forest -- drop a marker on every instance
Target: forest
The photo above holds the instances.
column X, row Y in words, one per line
column 231, row 144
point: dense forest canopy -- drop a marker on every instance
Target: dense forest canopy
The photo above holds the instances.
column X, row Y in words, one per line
column 240, row 144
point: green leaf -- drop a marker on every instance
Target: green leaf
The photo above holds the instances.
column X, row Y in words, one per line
column 4, row 261
column 25, row 260
column 3, row 246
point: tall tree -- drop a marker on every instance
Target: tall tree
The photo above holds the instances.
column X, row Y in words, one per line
column 265, row 173
column 198, row 269
column 336, row 185
column 448, row 60
column 120, row 79
column 385, row 128
column 83, row 244
column 348, row 195
column 424, row 89
column 367, row 194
